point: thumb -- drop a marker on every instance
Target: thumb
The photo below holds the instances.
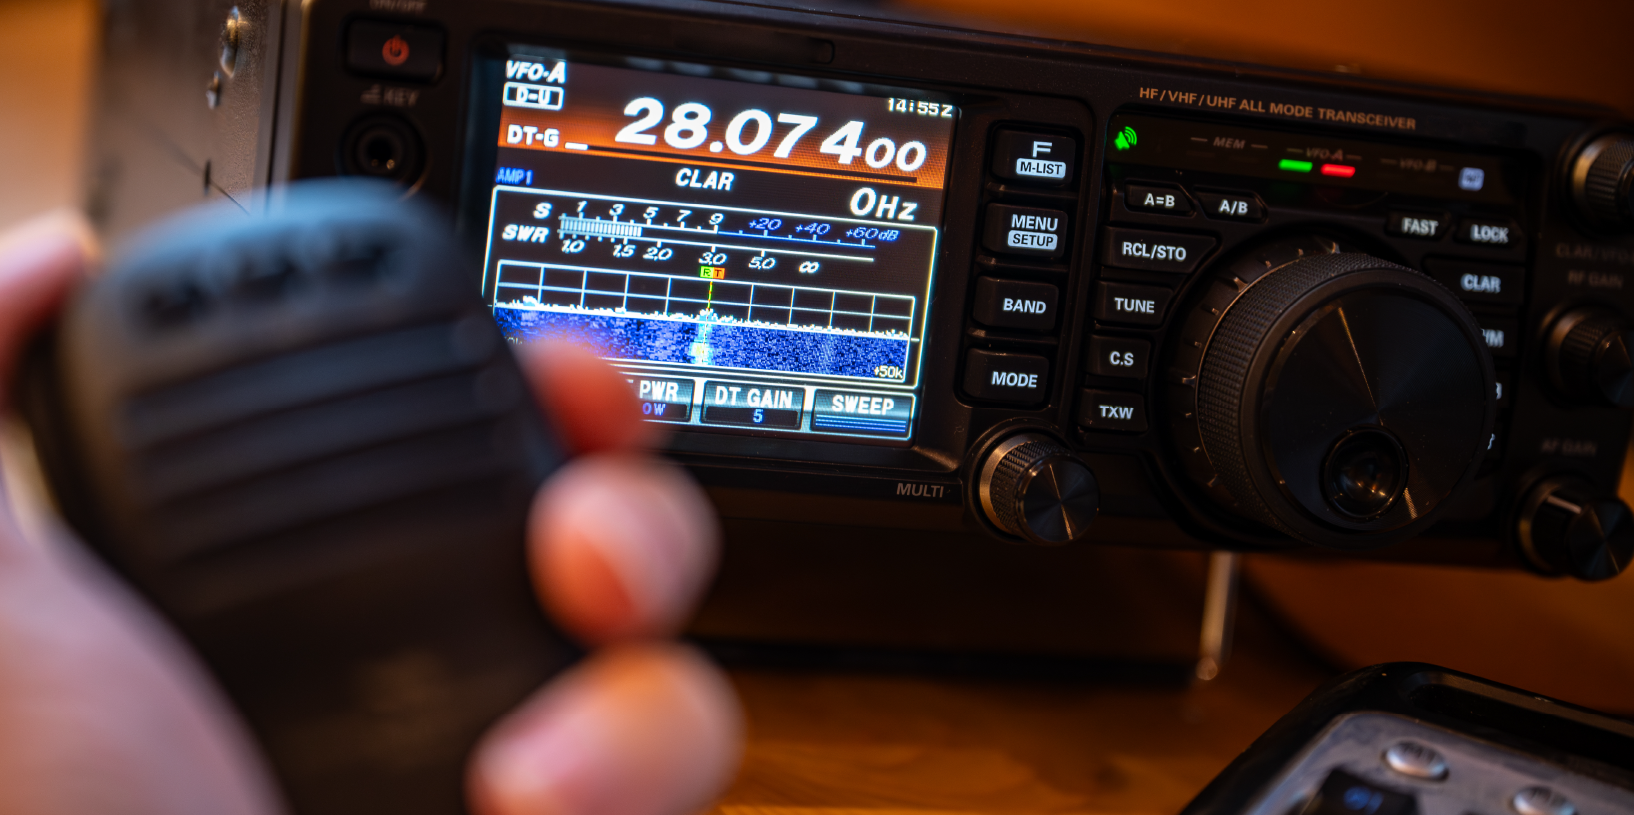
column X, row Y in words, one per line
column 41, row 260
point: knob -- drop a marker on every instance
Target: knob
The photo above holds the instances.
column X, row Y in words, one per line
column 1601, row 177
column 1588, row 357
column 1566, row 526
column 1034, row 488
column 1332, row 396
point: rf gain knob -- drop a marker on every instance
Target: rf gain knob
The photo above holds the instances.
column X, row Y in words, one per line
column 1589, row 357
column 1033, row 487
column 1566, row 527
column 1601, row 180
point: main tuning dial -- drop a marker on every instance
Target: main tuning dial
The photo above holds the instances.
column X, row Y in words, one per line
column 1034, row 488
column 1589, row 358
column 1567, row 527
column 1602, row 182
column 1330, row 395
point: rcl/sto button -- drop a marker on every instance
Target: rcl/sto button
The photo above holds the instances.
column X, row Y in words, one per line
column 1019, row 378
column 1154, row 251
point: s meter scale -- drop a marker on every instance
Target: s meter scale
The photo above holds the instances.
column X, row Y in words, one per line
column 755, row 256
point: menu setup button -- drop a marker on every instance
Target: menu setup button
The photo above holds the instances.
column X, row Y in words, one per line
column 853, row 413
column 748, row 405
column 999, row 377
column 1026, row 231
column 664, row 400
column 1154, row 251
column 1036, row 159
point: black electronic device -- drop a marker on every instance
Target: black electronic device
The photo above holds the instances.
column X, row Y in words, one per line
column 1414, row 739
column 859, row 263
column 301, row 436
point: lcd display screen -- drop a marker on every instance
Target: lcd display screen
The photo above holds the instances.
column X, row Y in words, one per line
column 755, row 251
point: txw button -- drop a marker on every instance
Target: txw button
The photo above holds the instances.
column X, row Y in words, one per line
column 1112, row 410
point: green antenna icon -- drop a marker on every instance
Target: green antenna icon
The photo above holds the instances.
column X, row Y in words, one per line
column 1125, row 139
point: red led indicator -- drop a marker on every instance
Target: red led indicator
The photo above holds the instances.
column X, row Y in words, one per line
column 1338, row 170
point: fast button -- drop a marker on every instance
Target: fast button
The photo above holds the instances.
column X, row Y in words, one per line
column 1154, row 251
column 394, row 50
column 1016, row 304
column 1035, row 159
column 1026, row 231
column 1020, row 378
column 1127, row 303
column 1426, row 225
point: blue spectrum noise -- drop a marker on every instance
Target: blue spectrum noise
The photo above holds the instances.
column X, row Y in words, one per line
column 714, row 344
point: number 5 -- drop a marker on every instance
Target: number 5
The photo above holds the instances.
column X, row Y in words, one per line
column 760, row 415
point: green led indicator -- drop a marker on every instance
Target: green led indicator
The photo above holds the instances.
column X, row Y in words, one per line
column 1294, row 165
column 1125, row 139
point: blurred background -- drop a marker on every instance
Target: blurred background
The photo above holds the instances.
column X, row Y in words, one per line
column 1566, row 639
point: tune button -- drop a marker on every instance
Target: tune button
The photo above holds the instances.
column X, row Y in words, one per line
column 1116, row 356
column 1150, row 251
column 1150, row 198
column 1022, row 379
column 1131, row 304
column 1428, row 226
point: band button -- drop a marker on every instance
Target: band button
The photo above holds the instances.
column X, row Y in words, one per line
column 1036, row 159
column 999, row 377
column 1167, row 200
column 1155, row 251
column 1231, row 206
column 394, row 50
column 1016, row 304
column 1130, row 304
column 1428, row 226
column 1115, row 356
column 1026, row 231
column 1112, row 410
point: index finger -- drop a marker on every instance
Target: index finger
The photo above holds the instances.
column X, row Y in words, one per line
column 591, row 403
column 40, row 262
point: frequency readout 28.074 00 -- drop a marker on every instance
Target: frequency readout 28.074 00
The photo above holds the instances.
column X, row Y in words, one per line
column 751, row 131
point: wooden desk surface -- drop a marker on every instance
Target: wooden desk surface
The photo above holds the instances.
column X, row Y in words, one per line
column 849, row 744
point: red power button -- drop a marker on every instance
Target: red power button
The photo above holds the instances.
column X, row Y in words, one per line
column 395, row 51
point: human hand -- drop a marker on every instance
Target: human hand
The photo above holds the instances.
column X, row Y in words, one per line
column 103, row 710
